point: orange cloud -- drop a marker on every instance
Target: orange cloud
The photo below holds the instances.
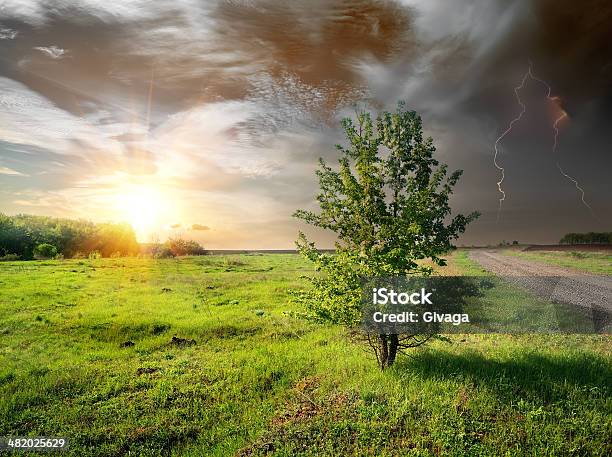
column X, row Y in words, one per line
column 199, row 227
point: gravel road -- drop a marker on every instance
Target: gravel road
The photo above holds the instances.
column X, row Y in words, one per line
column 592, row 293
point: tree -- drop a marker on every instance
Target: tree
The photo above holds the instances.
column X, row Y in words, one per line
column 388, row 204
column 14, row 239
column 45, row 251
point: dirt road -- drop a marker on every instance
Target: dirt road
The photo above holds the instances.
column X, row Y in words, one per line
column 593, row 293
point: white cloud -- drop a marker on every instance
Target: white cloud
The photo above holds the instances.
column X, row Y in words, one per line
column 478, row 20
column 52, row 51
column 10, row 172
column 38, row 11
column 23, row 112
column 7, row 34
column 212, row 133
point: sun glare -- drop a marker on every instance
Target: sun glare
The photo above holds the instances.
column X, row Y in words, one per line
column 143, row 208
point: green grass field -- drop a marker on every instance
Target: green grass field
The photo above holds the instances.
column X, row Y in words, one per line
column 591, row 262
column 258, row 382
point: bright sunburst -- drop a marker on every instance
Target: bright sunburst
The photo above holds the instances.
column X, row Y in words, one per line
column 144, row 207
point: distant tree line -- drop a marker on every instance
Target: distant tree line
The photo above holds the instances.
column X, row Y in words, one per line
column 27, row 237
column 587, row 238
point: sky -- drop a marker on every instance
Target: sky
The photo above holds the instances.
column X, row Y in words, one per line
column 205, row 119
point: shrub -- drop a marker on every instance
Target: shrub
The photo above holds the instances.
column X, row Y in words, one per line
column 163, row 252
column 231, row 262
column 9, row 258
column 45, row 251
column 180, row 247
column 93, row 255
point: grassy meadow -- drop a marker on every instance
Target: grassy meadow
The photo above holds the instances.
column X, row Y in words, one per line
column 87, row 352
column 590, row 262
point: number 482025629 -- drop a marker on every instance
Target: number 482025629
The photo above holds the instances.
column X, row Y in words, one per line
column 33, row 443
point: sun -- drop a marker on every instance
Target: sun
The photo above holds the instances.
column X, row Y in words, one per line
column 144, row 208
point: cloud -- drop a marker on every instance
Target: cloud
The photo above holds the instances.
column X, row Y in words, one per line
column 40, row 12
column 10, row 172
column 52, row 51
column 175, row 226
column 220, row 135
column 7, row 34
column 23, row 111
column 238, row 115
column 199, row 227
column 195, row 48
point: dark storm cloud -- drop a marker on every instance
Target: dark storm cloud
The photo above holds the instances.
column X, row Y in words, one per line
column 241, row 97
column 316, row 41
column 200, row 51
column 462, row 82
column 571, row 48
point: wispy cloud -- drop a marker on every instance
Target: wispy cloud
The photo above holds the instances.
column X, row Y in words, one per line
column 10, row 172
column 27, row 117
column 7, row 34
column 52, row 51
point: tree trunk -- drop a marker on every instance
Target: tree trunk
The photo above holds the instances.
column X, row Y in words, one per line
column 388, row 346
column 383, row 351
column 393, row 345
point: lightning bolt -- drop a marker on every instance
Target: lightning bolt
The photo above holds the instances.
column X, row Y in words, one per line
column 503, row 135
column 577, row 185
column 554, row 150
column 529, row 74
column 556, row 123
column 556, row 142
